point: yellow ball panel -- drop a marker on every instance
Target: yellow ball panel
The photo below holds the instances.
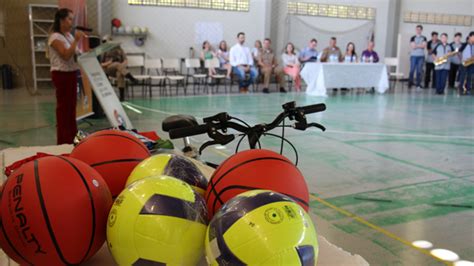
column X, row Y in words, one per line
column 152, row 166
column 180, row 241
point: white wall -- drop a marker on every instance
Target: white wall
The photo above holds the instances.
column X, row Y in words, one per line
column 458, row 7
column 335, row 24
column 172, row 30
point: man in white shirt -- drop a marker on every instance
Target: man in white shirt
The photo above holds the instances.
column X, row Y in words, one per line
column 242, row 63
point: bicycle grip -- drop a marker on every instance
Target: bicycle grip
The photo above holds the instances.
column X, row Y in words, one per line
column 188, row 131
column 309, row 109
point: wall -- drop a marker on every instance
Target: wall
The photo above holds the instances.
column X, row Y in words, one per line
column 17, row 36
column 460, row 7
column 329, row 24
column 172, row 29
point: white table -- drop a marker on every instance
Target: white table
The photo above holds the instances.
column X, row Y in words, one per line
column 321, row 76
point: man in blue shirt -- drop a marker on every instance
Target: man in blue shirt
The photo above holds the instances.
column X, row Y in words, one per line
column 442, row 70
column 309, row 54
column 417, row 56
column 455, row 60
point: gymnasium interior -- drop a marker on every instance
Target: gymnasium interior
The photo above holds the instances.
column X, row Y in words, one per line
column 389, row 181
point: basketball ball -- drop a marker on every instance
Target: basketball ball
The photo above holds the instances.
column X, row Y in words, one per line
column 53, row 212
column 113, row 154
column 255, row 169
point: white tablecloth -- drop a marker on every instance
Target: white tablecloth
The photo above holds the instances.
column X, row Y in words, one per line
column 321, row 76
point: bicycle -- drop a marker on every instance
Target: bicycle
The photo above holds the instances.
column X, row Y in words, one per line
column 217, row 126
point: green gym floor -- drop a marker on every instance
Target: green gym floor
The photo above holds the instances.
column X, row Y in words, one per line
column 390, row 169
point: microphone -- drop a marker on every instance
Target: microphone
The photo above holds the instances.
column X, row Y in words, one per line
column 83, row 29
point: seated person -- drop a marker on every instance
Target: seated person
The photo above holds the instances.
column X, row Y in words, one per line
column 114, row 63
column 269, row 65
column 242, row 63
column 292, row 65
column 207, row 54
column 332, row 53
column 369, row 55
column 309, row 54
column 256, row 51
column 351, row 55
column 223, row 55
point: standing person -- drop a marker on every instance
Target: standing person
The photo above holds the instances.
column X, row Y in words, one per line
column 462, row 69
column 455, row 60
column 207, row 54
column 417, row 56
column 292, row 65
column 332, row 53
column 242, row 63
column 114, row 63
column 369, row 55
column 429, row 61
column 223, row 55
column 351, row 55
column 468, row 56
column 309, row 54
column 62, row 49
column 257, row 50
column 269, row 65
column 442, row 70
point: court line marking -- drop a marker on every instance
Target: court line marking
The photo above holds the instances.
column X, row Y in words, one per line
column 376, row 228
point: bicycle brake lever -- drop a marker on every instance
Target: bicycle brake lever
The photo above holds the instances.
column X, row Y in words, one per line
column 207, row 144
column 317, row 125
column 218, row 139
column 300, row 126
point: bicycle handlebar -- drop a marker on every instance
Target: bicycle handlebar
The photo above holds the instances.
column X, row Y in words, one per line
column 221, row 121
column 315, row 108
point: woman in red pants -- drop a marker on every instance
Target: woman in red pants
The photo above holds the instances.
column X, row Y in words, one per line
column 62, row 54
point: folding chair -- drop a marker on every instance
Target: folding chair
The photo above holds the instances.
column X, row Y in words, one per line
column 138, row 61
column 199, row 79
column 171, row 69
column 396, row 76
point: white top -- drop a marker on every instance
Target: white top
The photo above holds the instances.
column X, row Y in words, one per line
column 255, row 52
column 240, row 55
column 57, row 62
column 289, row 59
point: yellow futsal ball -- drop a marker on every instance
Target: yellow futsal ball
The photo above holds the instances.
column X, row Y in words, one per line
column 159, row 220
column 172, row 165
column 261, row 227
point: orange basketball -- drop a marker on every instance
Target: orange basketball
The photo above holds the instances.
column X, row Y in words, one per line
column 255, row 169
column 113, row 154
column 53, row 212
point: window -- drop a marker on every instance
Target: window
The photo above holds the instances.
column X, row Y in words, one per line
column 329, row 10
column 436, row 18
column 228, row 5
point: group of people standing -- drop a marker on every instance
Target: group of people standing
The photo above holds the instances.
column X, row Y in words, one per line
column 444, row 62
column 246, row 63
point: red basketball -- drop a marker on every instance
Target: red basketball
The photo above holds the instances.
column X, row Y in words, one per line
column 255, row 169
column 53, row 212
column 113, row 154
